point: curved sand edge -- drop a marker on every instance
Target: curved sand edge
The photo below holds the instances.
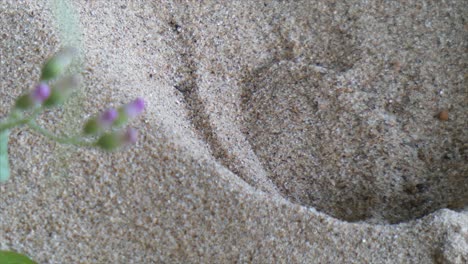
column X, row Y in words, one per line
column 169, row 199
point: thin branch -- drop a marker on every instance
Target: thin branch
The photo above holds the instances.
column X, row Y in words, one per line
column 10, row 124
column 64, row 140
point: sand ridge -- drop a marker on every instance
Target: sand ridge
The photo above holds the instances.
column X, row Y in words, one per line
column 273, row 132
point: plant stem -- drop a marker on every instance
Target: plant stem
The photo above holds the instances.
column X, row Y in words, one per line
column 63, row 140
column 4, row 165
column 16, row 119
column 10, row 124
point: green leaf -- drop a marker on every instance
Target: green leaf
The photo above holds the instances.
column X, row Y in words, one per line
column 10, row 257
column 4, row 166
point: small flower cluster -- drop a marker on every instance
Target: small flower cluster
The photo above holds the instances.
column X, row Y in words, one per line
column 54, row 88
column 113, row 119
column 43, row 94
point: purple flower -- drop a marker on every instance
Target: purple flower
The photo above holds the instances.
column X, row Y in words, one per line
column 108, row 117
column 130, row 136
column 135, row 108
column 40, row 93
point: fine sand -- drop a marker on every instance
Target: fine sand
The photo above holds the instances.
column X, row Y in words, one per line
column 275, row 132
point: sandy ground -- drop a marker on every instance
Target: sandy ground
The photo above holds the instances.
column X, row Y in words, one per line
column 275, row 132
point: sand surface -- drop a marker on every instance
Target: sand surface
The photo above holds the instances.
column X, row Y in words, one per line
column 275, row 132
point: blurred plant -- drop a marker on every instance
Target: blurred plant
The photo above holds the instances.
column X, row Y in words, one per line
column 54, row 87
column 10, row 257
column 104, row 131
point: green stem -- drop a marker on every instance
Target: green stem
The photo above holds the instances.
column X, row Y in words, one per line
column 10, row 124
column 16, row 119
column 4, row 165
column 63, row 140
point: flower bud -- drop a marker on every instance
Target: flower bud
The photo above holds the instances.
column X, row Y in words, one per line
column 91, row 127
column 40, row 93
column 109, row 141
column 62, row 90
column 68, row 83
column 130, row 136
column 135, row 108
column 108, row 117
column 105, row 120
column 122, row 118
column 129, row 111
column 56, row 65
column 24, row 102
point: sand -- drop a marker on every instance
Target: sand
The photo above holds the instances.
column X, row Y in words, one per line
column 275, row 132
